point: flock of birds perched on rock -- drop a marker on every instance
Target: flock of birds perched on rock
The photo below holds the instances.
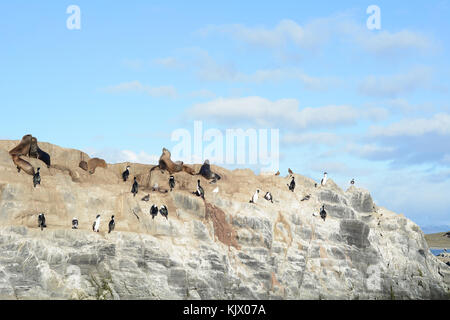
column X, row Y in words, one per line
column 29, row 147
column 163, row 211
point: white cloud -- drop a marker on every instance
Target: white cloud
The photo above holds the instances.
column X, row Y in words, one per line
column 394, row 85
column 370, row 150
column 387, row 42
column 316, row 138
column 283, row 74
column 120, row 156
column 438, row 124
column 141, row 157
column 406, row 107
column 283, row 112
column 203, row 93
column 136, row 86
column 286, row 30
column 320, row 31
column 168, row 62
column 208, row 69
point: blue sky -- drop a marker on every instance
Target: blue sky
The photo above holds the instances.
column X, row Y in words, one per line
column 366, row 104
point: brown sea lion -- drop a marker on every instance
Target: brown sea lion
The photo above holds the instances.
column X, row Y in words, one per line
column 83, row 165
column 206, row 172
column 22, row 149
column 33, row 152
column 23, row 165
column 38, row 153
column 94, row 163
column 165, row 163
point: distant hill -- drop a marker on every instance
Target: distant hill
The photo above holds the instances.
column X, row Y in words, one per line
column 438, row 240
column 435, row 228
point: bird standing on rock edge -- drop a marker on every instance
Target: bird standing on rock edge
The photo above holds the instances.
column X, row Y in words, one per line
column 135, row 188
column 292, row 185
column 37, row 178
column 96, row 225
column 164, row 212
column 172, row 183
column 41, row 221
column 154, row 211
column 111, row 225
column 255, row 197
column 74, row 223
column 268, row 197
column 323, row 213
column 200, row 192
column 324, row 179
column 126, row 174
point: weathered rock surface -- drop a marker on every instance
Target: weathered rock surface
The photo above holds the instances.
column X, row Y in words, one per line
column 220, row 248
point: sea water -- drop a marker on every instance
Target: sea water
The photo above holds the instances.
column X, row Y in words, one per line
column 437, row 252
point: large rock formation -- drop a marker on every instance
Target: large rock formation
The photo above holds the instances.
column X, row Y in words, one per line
column 220, row 248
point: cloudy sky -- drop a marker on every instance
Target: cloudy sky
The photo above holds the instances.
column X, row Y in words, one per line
column 366, row 104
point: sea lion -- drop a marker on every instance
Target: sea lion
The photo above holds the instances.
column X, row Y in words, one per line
column 83, row 165
column 205, row 171
column 44, row 157
column 33, row 152
column 93, row 164
column 23, row 165
column 166, row 164
column 22, row 149
column 38, row 153
column 28, row 147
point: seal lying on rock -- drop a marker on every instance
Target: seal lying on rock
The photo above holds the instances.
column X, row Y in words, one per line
column 93, row 164
column 28, row 147
column 36, row 152
column 165, row 163
column 205, row 172
column 22, row 149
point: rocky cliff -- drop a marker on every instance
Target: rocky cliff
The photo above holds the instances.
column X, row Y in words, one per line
column 220, row 248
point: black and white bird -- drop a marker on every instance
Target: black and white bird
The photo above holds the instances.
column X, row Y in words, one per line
column 306, row 198
column 200, row 192
column 112, row 225
column 37, row 178
column 164, row 212
column 126, row 174
column 135, row 188
column 323, row 213
column 146, row 198
column 292, row 185
column 352, row 182
column 255, row 197
column 324, row 179
column 154, row 211
column 172, row 182
column 74, row 223
column 96, row 225
column 268, row 197
column 41, row 221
